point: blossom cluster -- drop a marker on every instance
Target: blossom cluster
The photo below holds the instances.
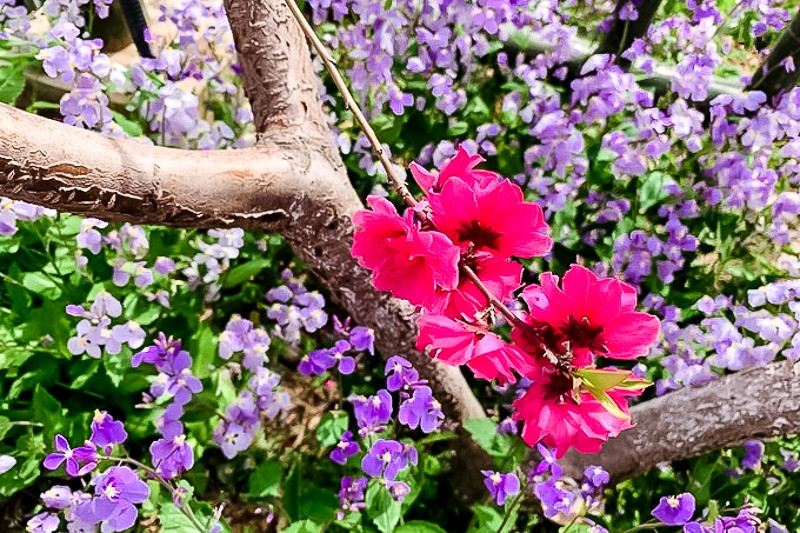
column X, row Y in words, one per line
column 95, row 331
column 386, row 459
column 295, row 309
column 240, row 425
column 117, row 490
column 351, row 340
column 452, row 255
column 171, row 454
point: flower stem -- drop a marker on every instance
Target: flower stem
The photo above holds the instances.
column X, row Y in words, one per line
column 350, row 103
column 497, row 304
column 510, row 510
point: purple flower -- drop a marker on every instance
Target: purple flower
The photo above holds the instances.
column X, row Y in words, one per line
column 386, row 458
column 548, row 462
column 43, row 523
column 363, row 339
column 233, row 438
column 596, row 477
column 753, row 452
column 372, row 413
column 57, row 497
column 675, row 510
column 172, row 457
column 421, row 410
column 72, row 457
column 351, row 497
column 117, row 491
column 316, row 362
column 164, row 354
column 106, row 431
column 344, row 449
column 400, row 374
column 555, row 497
column 7, row 462
column 501, row 486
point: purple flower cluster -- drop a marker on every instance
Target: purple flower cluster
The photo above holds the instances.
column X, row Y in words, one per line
column 241, row 336
column 206, row 267
column 560, row 495
column 679, row 510
column 241, row 423
column 731, row 336
column 95, row 331
column 357, row 339
column 295, row 309
column 13, row 211
column 171, row 455
column 117, row 490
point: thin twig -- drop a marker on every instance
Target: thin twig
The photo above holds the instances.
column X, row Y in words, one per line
column 351, row 104
column 497, row 304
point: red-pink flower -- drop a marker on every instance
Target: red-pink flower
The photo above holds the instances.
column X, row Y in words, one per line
column 457, row 342
column 596, row 316
column 461, row 166
column 490, row 216
column 410, row 263
column 500, row 276
column 562, row 416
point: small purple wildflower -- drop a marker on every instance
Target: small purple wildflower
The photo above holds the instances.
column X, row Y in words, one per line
column 421, row 410
column 106, row 431
column 172, row 457
column 117, row 491
column 400, row 374
column 386, row 458
column 344, row 449
column 72, row 457
column 501, row 486
column 675, row 510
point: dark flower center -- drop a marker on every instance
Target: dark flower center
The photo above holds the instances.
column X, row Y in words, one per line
column 481, row 237
column 582, row 334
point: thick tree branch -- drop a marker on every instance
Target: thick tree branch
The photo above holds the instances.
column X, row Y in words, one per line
column 70, row 169
column 755, row 403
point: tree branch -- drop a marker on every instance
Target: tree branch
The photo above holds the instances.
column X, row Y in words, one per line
column 756, row 403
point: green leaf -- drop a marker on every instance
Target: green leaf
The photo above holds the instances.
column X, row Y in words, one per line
column 652, row 189
column 204, row 352
column 484, row 432
column 172, row 520
column 602, row 379
column 419, row 526
column 382, row 508
column 485, row 519
column 129, row 126
column 241, row 273
column 115, row 366
column 41, row 284
column 331, row 428
column 266, row 479
column 47, row 410
column 303, row 526
column 607, row 402
column 12, row 83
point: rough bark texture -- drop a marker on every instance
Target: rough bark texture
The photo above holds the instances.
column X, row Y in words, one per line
column 755, row 403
